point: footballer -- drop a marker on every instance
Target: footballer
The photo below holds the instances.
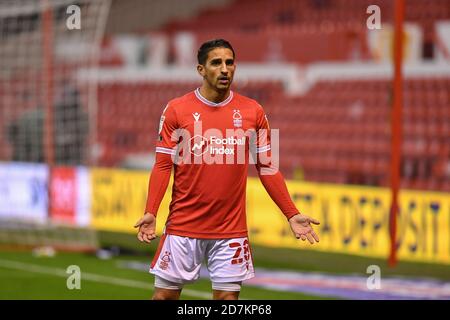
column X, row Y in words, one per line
column 209, row 137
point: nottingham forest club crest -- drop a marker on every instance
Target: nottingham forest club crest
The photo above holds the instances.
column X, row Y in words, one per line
column 165, row 260
column 237, row 118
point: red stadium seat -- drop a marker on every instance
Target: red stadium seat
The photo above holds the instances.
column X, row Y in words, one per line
column 336, row 132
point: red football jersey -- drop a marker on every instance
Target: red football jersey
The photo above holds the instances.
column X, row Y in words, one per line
column 210, row 143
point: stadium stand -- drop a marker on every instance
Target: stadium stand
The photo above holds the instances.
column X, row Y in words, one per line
column 336, row 131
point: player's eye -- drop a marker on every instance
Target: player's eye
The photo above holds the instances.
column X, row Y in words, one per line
column 230, row 62
column 216, row 62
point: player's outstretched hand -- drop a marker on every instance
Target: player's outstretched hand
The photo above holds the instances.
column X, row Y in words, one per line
column 301, row 226
column 146, row 227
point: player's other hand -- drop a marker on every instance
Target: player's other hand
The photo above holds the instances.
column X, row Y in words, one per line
column 146, row 227
column 302, row 228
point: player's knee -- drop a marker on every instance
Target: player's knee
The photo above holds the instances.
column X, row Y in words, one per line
column 166, row 290
column 226, row 291
column 226, row 295
column 166, row 294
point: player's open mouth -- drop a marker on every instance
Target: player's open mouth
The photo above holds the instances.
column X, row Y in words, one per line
column 224, row 80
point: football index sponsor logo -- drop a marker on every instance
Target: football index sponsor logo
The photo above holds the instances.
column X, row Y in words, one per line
column 198, row 145
column 221, row 143
column 215, row 145
column 234, row 146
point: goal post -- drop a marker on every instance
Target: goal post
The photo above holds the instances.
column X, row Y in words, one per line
column 47, row 114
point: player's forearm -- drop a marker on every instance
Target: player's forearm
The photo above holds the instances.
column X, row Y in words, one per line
column 159, row 180
column 273, row 182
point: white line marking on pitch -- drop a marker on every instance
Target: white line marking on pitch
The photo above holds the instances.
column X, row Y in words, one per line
column 92, row 277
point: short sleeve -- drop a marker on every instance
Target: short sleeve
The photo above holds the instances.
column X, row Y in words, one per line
column 167, row 135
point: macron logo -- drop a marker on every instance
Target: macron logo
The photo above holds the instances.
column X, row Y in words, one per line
column 196, row 116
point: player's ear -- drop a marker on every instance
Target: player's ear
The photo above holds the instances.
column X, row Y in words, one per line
column 201, row 70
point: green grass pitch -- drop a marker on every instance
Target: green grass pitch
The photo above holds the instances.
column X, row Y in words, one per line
column 24, row 276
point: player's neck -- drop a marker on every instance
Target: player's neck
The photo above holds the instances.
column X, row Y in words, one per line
column 214, row 95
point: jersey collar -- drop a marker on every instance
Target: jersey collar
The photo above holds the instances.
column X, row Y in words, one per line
column 210, row 103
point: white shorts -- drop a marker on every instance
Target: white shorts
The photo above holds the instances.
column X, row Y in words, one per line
column 179, row 259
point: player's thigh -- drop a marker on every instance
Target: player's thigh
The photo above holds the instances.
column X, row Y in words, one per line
column 178, row 259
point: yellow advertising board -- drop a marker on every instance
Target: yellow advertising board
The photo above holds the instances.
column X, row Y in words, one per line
column 119, row 197
column 354, row 219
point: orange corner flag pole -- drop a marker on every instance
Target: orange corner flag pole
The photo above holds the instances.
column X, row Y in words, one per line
column 396, row 123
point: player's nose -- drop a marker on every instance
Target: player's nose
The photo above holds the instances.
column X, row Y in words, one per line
column 224, row 69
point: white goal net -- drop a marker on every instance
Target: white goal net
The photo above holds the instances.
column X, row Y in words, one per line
column 46, row 114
